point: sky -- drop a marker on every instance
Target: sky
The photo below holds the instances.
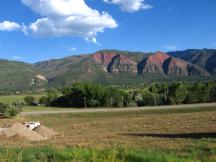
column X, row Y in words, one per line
column 36, row 30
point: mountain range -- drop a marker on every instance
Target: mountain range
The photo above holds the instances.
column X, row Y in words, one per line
column 111, row 67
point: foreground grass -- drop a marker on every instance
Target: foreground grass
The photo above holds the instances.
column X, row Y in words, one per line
column 114, row 154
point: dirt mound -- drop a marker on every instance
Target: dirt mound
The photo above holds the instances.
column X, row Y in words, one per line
column 18, row 129
column 45, row 132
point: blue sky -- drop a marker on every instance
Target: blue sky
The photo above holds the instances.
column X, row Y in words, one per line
column 135, row 25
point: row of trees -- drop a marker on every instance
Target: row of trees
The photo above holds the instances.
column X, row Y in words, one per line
column 90, row 95
column 180, row 93
column 93, row 95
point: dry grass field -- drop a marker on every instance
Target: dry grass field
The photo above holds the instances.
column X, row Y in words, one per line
column 155, row 129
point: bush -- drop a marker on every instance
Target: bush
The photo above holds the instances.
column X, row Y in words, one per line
column 29, row 100
column 44, row 100
column 10, row 110
column 149, row 99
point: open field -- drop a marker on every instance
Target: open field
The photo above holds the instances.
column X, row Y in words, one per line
column 20, row 98
column 154, row 135
column 164, row 129
column 30, row 110
column 14, row 98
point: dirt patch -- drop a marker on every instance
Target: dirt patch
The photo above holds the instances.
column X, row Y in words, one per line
column 45, row 132
column 20, row 130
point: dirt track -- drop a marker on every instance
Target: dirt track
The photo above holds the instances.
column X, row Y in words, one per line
column 118, row 109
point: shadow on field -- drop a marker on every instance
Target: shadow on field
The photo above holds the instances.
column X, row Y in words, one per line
column 183, row 135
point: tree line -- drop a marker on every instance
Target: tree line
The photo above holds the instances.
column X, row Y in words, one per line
column 94, row 95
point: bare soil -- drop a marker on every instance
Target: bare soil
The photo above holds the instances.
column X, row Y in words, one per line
column 45, row 132
column 20, row 132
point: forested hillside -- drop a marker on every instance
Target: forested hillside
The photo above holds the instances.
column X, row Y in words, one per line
column 109, row 67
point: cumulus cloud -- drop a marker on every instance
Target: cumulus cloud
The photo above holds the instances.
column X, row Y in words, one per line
column 68, row 18
column 130, row 5
column 64, row 18
column 9, row 26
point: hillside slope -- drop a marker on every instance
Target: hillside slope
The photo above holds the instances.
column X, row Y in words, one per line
column 105, row 67
column 205, row 58
column 110, row 67
column 117, row 67
column 19, row 76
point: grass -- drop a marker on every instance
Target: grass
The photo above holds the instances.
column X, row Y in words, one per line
column 20, row 98
column 41, row 108
column 10, row 99
column 13, row 98
column 135, row 129
column 114, row 154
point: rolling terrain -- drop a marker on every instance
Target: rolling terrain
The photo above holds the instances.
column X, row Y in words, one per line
column 111, row 67
column 205, row 58
column 19, row 76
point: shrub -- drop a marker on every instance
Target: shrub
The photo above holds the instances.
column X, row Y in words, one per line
column 149, row 99
column 10, row 110
column 44, row 100
column 29, row 100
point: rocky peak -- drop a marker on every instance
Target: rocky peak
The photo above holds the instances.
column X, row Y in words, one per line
column 153, row 63
column 103, row 58
column 158, row 57
column 164, row 64
column 115, row 62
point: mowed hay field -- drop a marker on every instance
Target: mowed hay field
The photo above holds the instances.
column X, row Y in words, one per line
column 146, row 129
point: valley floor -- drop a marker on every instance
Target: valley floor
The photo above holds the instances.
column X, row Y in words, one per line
column 179, row 131
column 56, row 110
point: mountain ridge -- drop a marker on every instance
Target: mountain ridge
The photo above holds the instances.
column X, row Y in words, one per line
column 115, row 67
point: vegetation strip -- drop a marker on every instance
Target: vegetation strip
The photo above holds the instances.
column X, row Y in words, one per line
column 187, row 108
column 115, row 154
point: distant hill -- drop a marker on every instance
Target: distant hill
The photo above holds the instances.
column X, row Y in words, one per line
column 111, row 67
column 105, row 67
column 19, row 76
column 205, row 58
column 119, row 67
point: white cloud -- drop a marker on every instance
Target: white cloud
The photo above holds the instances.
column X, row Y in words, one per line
column 61, row 18
column 9, row 26
column 68, row 18
column 130, row 5
column 171, row 47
